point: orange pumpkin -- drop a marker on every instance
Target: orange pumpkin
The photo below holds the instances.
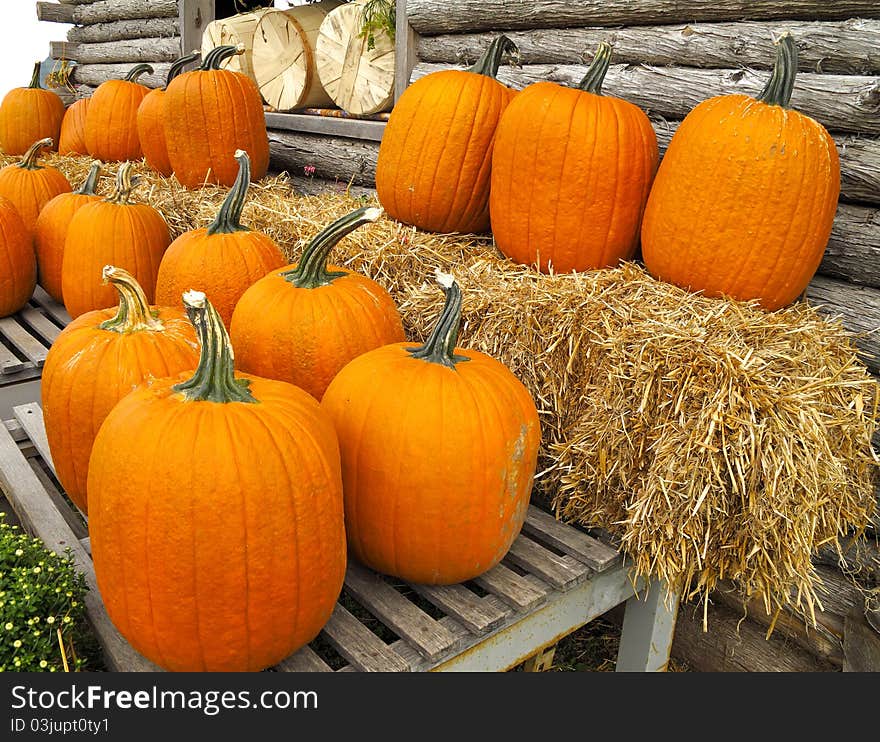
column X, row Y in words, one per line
column 111, row 120
column 209, row 114
column 215, row 514
column 439, row 447
column 571, row 172
column 151, row 120
column 50, row 231
column 745, row 196
column 435, row 158
column 224, row 259
column 30, row 186
column 18, row 268
column 305, row 322
column 28, row 114
column 112, row 231
column 98, row 359
column 73, row 129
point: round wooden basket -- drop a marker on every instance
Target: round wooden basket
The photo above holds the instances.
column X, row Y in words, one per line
column 235, row 30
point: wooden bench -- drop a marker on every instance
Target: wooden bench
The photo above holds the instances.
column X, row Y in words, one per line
column 555, row 579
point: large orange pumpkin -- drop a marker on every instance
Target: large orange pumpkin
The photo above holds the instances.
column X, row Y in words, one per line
column 51, row 228
column 98, row 359
column 215, row 514
column 112, row 231
column 305, row 322
column 111, row 120
column 435, row 158
column 223, row 259
column 571, row 172
column 209, row 114
column 745, row 196
column 72, row 140
column 439, row 446
column 28, row 114
column 30, row 185
column 18, row 268
column 151, row 120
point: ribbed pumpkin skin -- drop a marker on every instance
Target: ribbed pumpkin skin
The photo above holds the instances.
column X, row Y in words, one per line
column 111, row 121
column 88, row 370
column 217, row 529
column 434, row 163
column 18, row 267
column 31, row 190
column 72, row 140
column 26, row 115
column 209, row 114
column 571, row 172
column 743, row 202
column 437, row 463
column 151, row 131
column 132, row 236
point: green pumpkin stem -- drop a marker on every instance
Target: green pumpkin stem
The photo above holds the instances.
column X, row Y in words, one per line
column 489, row 63
column 91, row 181
column 179, row 64
column 29, row 159
column 219, row 54
column 139, row 69
column 35, row 77
column 214, row 379
column 311, row 271
column 134, row 313
column 229, row 217
column 125, row 184
column 592, row 82
column 777, row 91
column 440, row 346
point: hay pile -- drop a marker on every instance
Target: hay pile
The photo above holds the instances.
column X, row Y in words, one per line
column 715, row 440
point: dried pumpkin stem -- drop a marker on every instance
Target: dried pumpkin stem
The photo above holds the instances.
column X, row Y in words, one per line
column 440, row 346
column 777, row 91
column 125, row 184
column 29, row 160
column 592, row 82
column 311, row 271
column 229, row 217
column 214, row 379
column 134, row 314
column 139, row 69
column 179, row 64
column 219, row 54
column 91, row 182
column 489, row 63
column 35, row 77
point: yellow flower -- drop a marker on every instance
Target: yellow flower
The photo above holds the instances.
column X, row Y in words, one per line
column 43, row 663
column 50, row 619
column 8, row 626
column 18, row 552
column 16, row 643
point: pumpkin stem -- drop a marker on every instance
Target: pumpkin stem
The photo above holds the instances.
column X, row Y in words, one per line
column 91, row 181
column 29, row 160
column 135, row 72
column 489, row 63
column 229, row 217
column 777, row 91
column 214, row 379
column 35, row 77
column 311, row 271
column 592, row 82
column 179, row 64
column 219, row 54
column 125, row 184
column 440, row 347
column 134, row 313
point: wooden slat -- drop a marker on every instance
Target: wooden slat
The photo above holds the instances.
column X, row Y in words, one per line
column 402, row 616
column 41, row 325
column 562, row 572
column 405, row 54
column 195, row 15
column 30, row 416
column 32, row 348
column 464, row 606
column 87, row 544
column 71, row 516
column 511, row 588
column 9, row 362
column 55, row 310
column 304, row 660
column 861, row 646
column 15, row 430
column 546, row 529
column 360, row 646
column 352, row 128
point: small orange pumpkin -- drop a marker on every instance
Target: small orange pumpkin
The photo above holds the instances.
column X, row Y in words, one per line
column 28, row 114
column 30, row 186
column 111, row 120
column 73, row 129
column 18, row 268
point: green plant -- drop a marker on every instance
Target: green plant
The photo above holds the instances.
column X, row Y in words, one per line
column 41, row 594
column 378, row 16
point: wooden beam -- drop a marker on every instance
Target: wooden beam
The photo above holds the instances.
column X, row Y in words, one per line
column 54, row 13
column 338, row 127
column 334, row 158
column 194, row 17
column 130, row 50
column 406, row 41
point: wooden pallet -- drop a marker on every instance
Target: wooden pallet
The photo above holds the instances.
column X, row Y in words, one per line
column 554, row 579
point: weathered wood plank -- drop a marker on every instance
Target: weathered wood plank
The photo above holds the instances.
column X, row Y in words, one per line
column 9, row 362
column 463, row 605
column 853, row 250
column 544, row 528
column 844, row 47
column 55, row 310
column 406, row 41
column 194, row 17
column 847, row 103
column 95, row 74
column 140, row 28
column 32, row 348
column 562, row 572
column 120, row 10
column 334, row 158
column 15, row 430
column 441, row 16
column 402, row 616
column 39, row 324
column 861, row 647
column 54, row 13
column 511, row 588
column 303, row 660
column 162, row 49
column 326, row 125
column 360, row 646
column 30, row 417
column 72, row 517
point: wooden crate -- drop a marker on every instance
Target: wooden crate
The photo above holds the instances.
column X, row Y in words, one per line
column 554, row 579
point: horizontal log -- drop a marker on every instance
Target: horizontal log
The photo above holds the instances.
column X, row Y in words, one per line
column 853, row 250
column 107, row 52
column 95, row 74
column 141, row 28
column 848, row 103
column 846, row 47
column 441, row 16
column 77, row 2
column 119, row 10
column 333, row 158
column 54, row 12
